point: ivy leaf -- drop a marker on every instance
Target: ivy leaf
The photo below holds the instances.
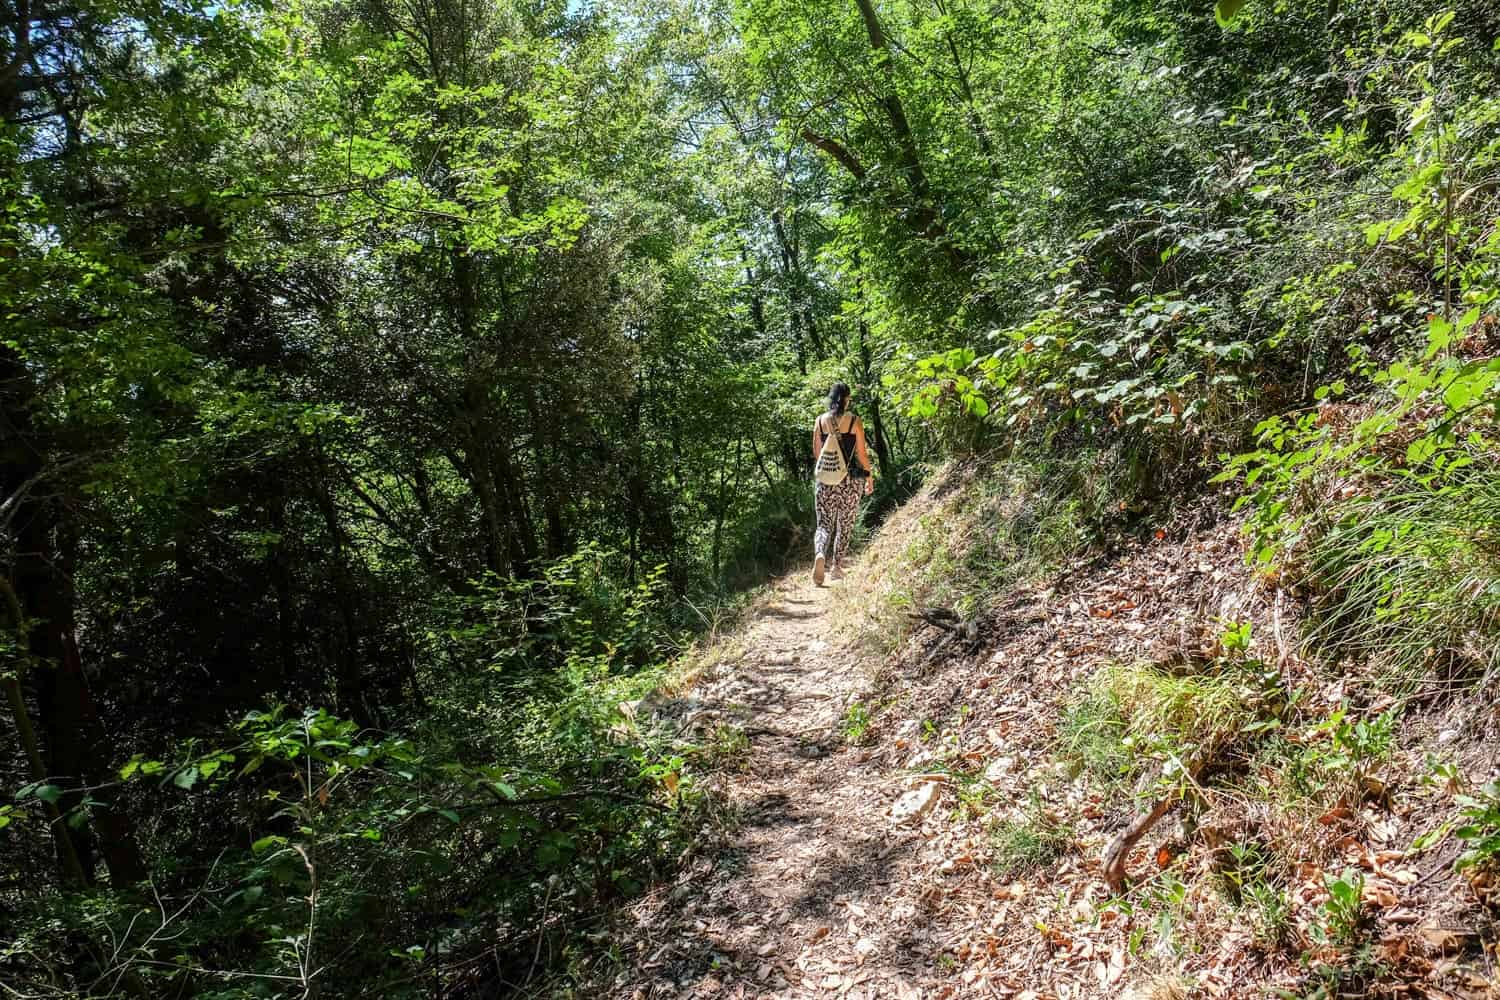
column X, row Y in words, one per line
column 1225, row 11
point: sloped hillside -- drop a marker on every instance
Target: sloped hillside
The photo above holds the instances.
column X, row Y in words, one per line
column 1307, row 813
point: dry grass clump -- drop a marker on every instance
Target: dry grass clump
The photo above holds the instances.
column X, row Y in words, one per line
column 976, row 530
column 1410, row 581
column 1138, row 717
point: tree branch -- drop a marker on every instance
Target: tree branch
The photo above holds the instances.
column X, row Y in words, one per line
column 846, row 159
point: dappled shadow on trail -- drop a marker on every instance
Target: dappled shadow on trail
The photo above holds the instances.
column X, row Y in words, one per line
column 799, row 894
column 864, row 863
column 793, row 611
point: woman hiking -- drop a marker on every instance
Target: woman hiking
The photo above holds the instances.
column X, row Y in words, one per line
column 842, row 470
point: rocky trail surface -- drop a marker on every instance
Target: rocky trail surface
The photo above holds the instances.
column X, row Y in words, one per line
column 817, row 890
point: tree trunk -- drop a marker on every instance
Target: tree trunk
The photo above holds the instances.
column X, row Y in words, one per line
column 522, row 530
column 43, row 594
column 349, row 681
column 867, row 375
column 971, row 107
column 281, row 583
column 496, row 549
column 547, row 452
column 909, row 158
column 67, row 855
column 798, row 292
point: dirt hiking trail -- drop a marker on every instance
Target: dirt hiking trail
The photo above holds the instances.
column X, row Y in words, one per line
column 812, row 895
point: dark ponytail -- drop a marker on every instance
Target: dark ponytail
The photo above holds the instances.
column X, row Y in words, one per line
column 838, row 398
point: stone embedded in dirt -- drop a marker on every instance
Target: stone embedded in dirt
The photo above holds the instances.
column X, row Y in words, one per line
column 998, row 768
column 915, row 804
column 1444, row 940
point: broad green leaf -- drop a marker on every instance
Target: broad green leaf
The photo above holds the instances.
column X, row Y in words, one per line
column 1225, row 11
column 266, row 843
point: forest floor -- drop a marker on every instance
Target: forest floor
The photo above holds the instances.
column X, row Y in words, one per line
column 899, row 823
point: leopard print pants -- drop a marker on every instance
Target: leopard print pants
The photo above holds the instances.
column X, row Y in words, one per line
column 836, row 507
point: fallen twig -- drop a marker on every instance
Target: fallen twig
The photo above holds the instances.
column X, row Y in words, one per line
column 1115, row 857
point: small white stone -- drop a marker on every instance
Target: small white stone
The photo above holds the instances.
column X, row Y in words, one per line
column 915, row 804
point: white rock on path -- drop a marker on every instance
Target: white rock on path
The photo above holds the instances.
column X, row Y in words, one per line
column 915, row 804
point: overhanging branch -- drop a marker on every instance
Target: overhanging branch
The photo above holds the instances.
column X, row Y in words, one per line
column 837, row 151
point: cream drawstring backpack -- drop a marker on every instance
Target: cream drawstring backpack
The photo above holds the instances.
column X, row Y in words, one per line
column 833, row 468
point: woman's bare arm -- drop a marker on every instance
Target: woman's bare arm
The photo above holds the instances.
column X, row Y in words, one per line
column 817, row 439
column 859, row 446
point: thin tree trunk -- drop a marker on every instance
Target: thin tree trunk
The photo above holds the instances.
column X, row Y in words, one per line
column 497, row 556
column 73, row 735
column 897, row 425
column 348, row 679
column 281, row 583
column 882, row 447
column 545, row 437
column 67, row 857
column 755, row 450
column 971, row 107
column 523, row 531
column 798, row 290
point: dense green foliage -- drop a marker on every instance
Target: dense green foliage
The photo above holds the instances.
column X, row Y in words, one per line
column 390, row 390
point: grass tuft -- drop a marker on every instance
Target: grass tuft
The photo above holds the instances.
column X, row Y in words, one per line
column 1031, row 840
column 1411, row 581
column 1137, row 718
